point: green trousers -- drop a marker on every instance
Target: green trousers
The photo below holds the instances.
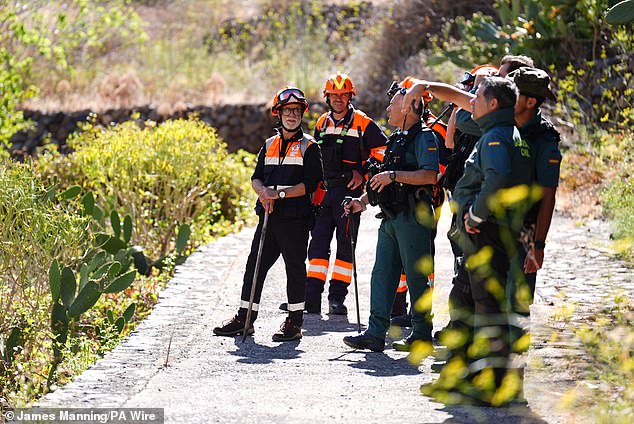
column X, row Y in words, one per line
column 402, row 242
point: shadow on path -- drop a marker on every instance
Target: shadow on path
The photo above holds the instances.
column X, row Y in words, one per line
column 253, row 353
column 377, row 364
column 516, row 414
column 316, row 325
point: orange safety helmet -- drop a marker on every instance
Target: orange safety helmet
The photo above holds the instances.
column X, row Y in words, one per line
column 486, row 70
column 339, row 84
column 406, row 84
column 288, row 95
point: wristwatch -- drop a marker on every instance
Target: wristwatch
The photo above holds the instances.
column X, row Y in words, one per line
column 282, row 194
column 393, row 176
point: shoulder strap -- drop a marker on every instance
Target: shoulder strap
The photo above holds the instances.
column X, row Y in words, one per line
column 320, row 121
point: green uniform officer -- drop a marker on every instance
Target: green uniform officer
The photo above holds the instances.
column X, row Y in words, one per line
column 534, row 87
column 402, row 186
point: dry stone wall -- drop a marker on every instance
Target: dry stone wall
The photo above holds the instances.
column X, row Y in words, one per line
column 241, row 126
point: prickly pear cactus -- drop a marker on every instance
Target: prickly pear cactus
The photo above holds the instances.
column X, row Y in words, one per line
column 621, row 13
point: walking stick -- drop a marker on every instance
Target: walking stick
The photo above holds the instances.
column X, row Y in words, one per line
column 255, row 275
column 353, row 246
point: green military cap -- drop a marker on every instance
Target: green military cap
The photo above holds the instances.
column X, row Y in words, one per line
column 532, row 82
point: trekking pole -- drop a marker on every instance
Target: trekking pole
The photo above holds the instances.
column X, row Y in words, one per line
column 353, row 246
column 255, row 275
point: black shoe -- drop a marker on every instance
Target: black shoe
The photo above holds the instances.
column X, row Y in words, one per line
column 336, row 307
column 404, row 321
column 438, row 334
column 437, row 366
column 406, row 344
column 288, row 331
column 233, row 327
column 365, row 341
column 284, row 306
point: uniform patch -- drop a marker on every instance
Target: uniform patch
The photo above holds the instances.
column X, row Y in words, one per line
column 494, row 143
column 553, row 161
column 432, row 149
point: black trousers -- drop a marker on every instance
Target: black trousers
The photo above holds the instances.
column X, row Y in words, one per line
column 461, row 304
column 286, row 236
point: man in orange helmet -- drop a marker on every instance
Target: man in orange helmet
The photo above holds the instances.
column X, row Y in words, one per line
column 287, row 173
column 348, row 139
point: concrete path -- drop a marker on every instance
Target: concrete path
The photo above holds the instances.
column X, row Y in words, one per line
column 173, row 361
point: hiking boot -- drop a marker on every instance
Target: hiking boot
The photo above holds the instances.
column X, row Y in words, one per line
column 403, row 321
column 406, row 344
column 288, row 331
column 233, row 327
column 336, row 307
column 365, row 341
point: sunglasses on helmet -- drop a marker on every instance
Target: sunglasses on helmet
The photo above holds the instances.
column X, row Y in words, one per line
column 468, row 78
column 286, row 95
column 395, row 88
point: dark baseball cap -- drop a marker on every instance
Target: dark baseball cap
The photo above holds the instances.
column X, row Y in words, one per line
column 532, row 82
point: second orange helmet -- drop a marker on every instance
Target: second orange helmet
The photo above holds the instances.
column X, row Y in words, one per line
column 339, row 84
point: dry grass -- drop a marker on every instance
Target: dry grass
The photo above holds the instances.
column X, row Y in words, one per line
column 174, row 65
column 582, row 177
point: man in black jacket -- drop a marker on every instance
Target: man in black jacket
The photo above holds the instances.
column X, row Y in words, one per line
column 287, row 172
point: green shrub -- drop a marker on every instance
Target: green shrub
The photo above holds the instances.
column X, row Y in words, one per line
column 590, row 61
column 609, row 339
column 36, row 227
column 618, row 194
column 164, row 175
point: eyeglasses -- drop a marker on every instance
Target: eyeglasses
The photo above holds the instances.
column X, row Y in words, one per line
column 288, row 111
column 286, row 95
